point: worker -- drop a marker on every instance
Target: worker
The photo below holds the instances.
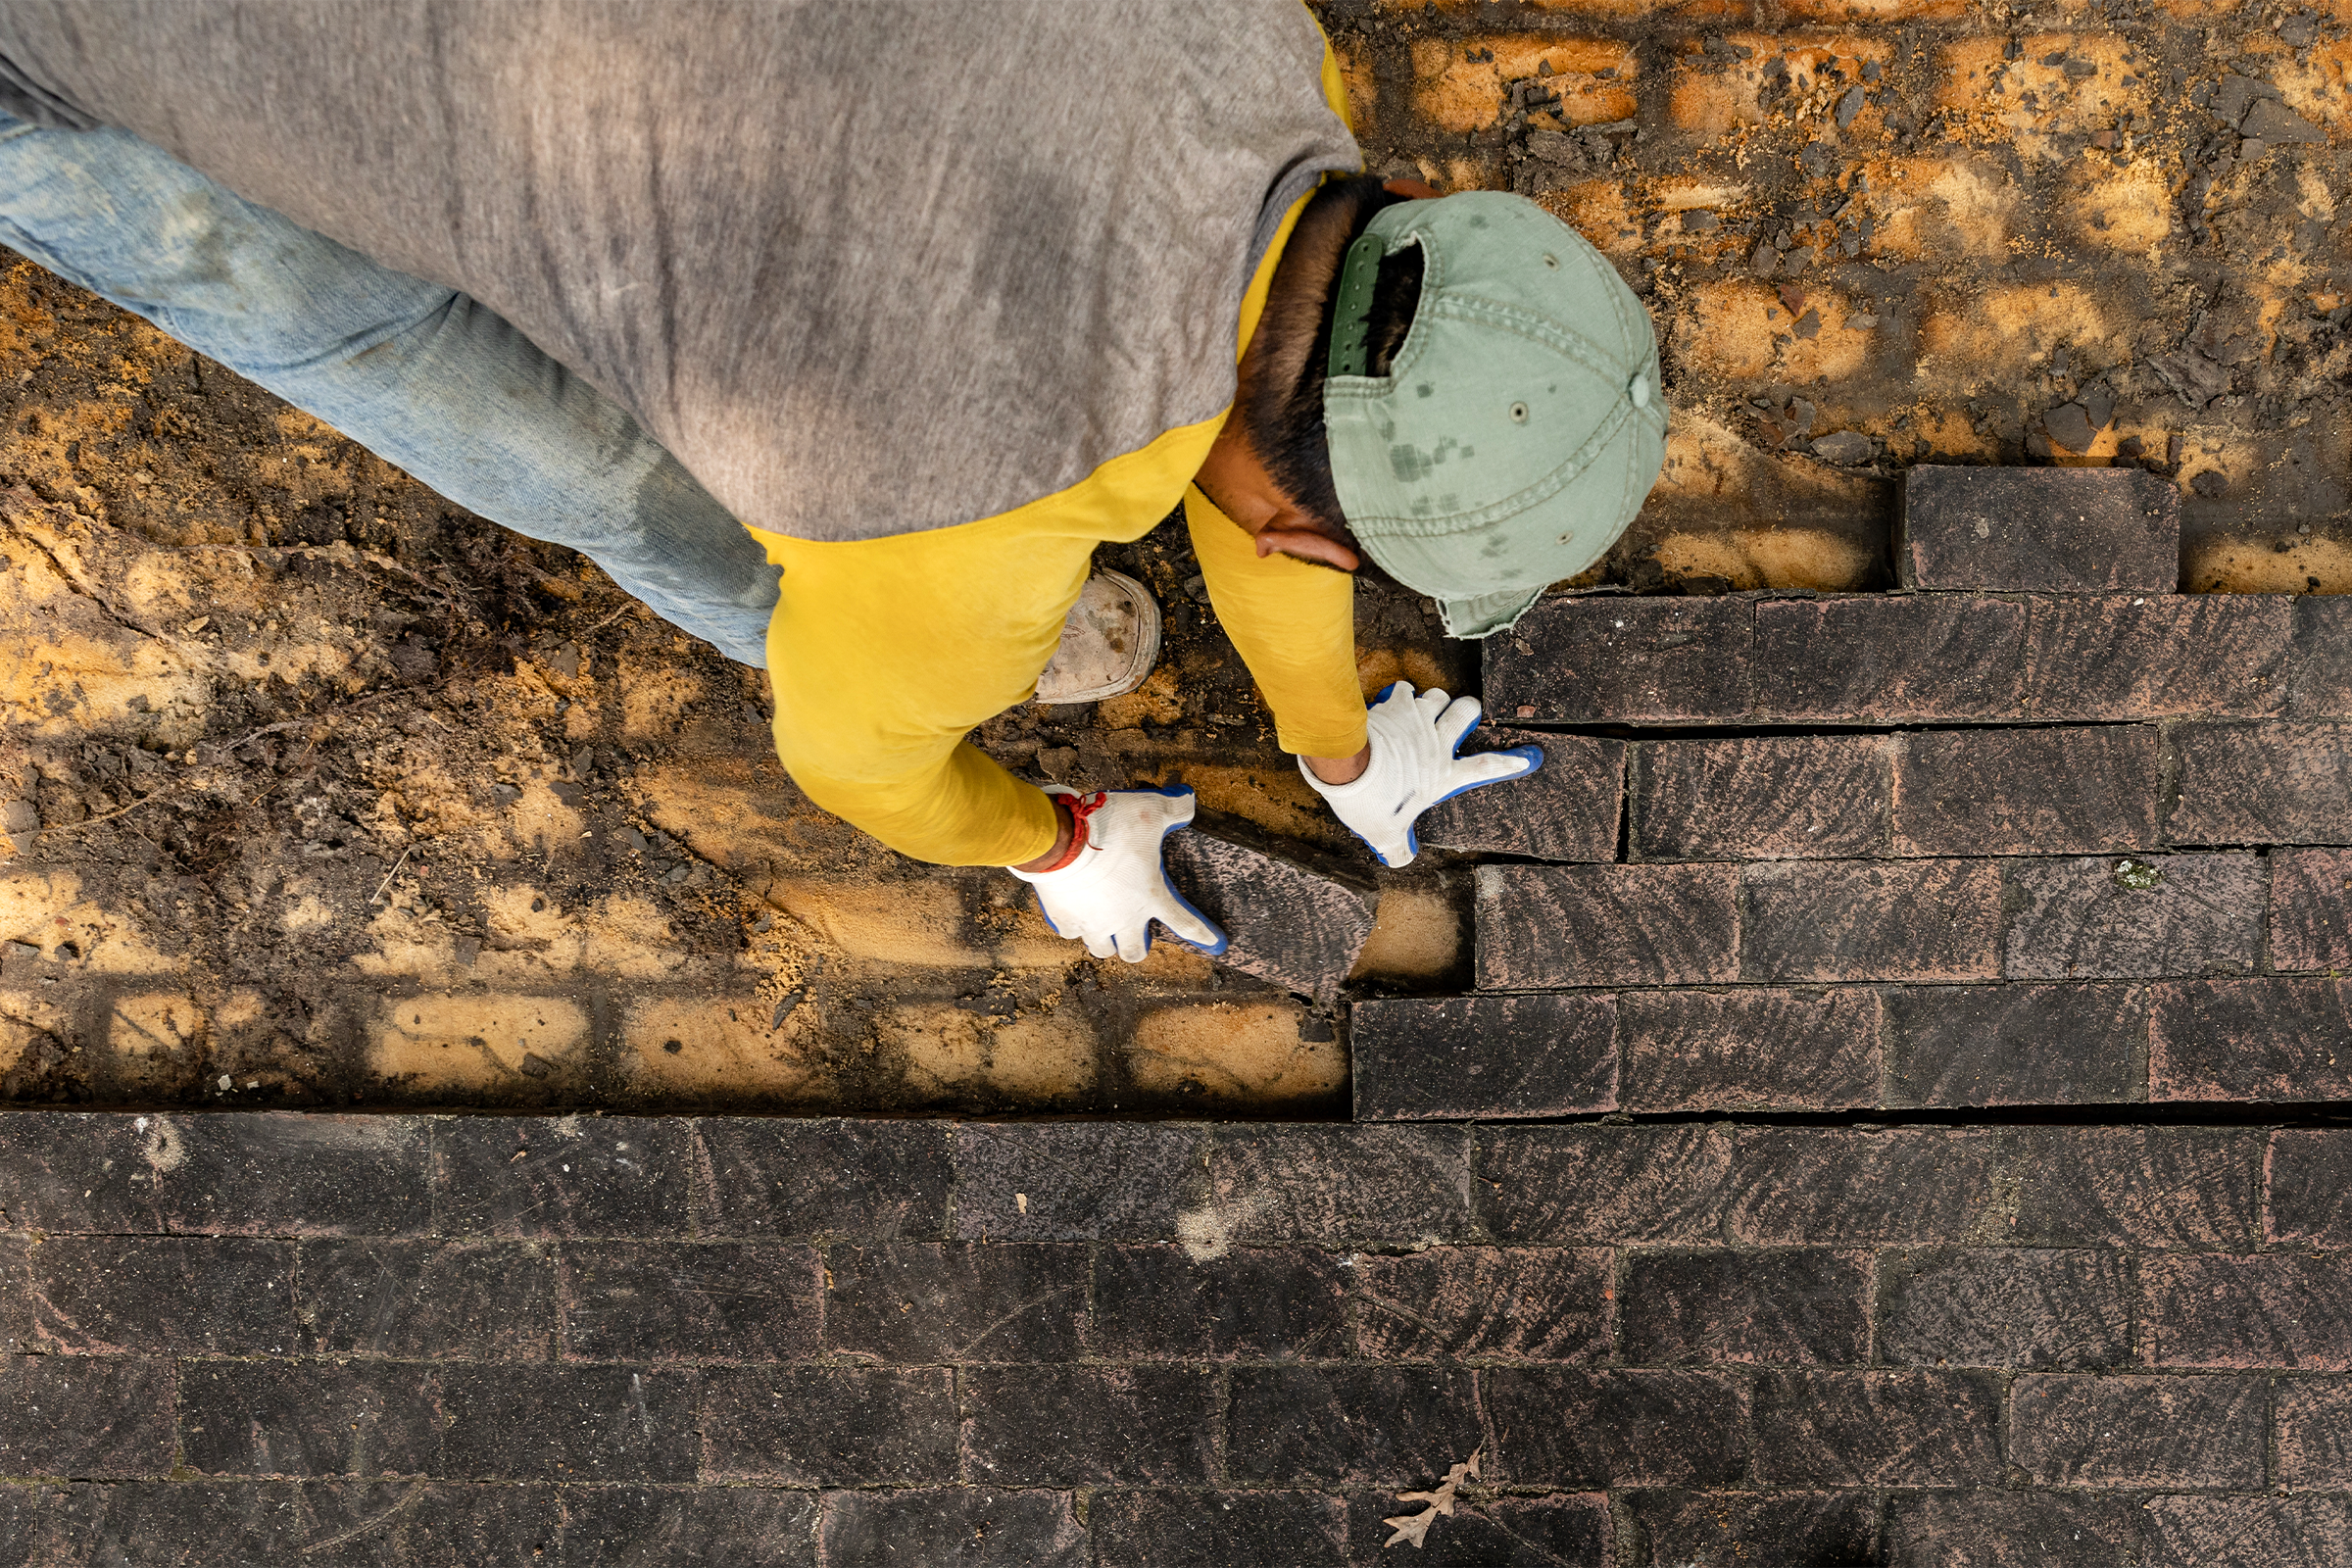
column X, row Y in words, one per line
column 842, row 335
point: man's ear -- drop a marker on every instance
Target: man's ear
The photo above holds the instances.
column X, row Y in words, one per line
column 1308, row 545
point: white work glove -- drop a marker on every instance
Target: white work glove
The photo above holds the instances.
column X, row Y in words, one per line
column 1108, row 897
column 1413, row 767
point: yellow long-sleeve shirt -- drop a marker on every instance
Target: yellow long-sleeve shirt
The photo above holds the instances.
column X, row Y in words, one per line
column 885, row 653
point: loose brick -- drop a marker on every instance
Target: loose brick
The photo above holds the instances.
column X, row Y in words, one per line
column 1602, row 1185
column 1294, row 918
column 1915, row 658
column 2262, row 784
column 569, row 1423
column 2039, row 531
column 2321, row 658
column 1567, row 810
column 1574, row 1527
column 1424, row 1058
column 1871, row 920
column 830, row 1426
column 2020, row 1529
column 1588, row 661
column 1076, row 1181
column 2309, row 1181
column 921, row 1303
column 280, row 1173
column 2274, row 1532
column 1559, row 1426
column 1748, row 1050
column 309, row 1418
column 1088, row 1426
column 1602, row 925
column 1738, row 1527
column 1219, row 1529
column 2027, row 791
column 1759, row 797
column 1350, row 1426
column 1337, row 1186
column 2117, row 657
column 2081, row 920
column 1803, row 1306
column 423, row 1301
column 1159, row 1304
column 2006, row 1308
column 2276, row 1040
column 2311, row 910
column 880, row 1180
column 1504, row 1303
column 2017, row 1044
column 2076, row 1431
column 2185, row 1188
column 967, row 1526
column 75, row 1416
column 632, row 1525
column 2281, row 1310
column 192, row 1295
column 689, row 1300
column 1831, row 1187
column 2313, row 1421
column 618, row 1176
column 1877, row 1428
column 63, row 1171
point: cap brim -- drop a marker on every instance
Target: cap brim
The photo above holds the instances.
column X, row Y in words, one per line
column 1486, row 614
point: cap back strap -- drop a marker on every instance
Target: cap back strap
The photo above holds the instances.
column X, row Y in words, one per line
column 1351, row 307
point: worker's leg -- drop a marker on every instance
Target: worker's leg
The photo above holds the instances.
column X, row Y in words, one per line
column 423, row 376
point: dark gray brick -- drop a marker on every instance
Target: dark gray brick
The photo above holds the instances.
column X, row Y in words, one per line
column 1349, row 1425
column 2282, row 1309
column 1606, row 925
column 1886, row 659
column 2001, row 1529
column 703, row 1527
column 1425, row 1058
column 19, row 1526
column 2119, row 657
column 1800, row 1306
column 2039, row 531
column 2313, row 1420
column 968, row 1527
column 1294, row 918
column 2008, row 1307
column 2160, row 1186
column 1497, row 1533
column 1602, row 1186
column 279, row 1173
column 2027, row 791
column 81, row 1416
column 1337, row 1186
column 1759, row 797
column 2321, row 658
column 1218, row 1529
column 2017, row 1044
column 2080, row 1431
column 2274, row 1532
column 2075, row 919
column 2277, row 1040
column 1500, row 1303
column 300, row 1419
column 830, row 1426
column 1567, row 810
column 425, row 1301
column 1077, row 1181
column 194, row 1296
column 921, row 1302
column 2308, row 1182
column 872, row 1180
column 269, row 1524
column 2262, row 784
column 2311, row 910
column 1831, row 1187
column 1734, row 1527
column 569, row 1423
column 1563, row 1426
column 1583, row 661
column 1088, row 1426
column 687, row 1301
column 16, row 1293
column 1871, row 920
column 65, row 1171
column 1886, row 1429
column 620, row 1176
column 1748, row 1050
column 1155, row 1303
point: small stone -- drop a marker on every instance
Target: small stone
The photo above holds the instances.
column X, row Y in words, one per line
column 2070, row 425
column 2210, row 483
column 1808, row 324
column 2273, row 122
column 1845, row 448
column 1849, row 106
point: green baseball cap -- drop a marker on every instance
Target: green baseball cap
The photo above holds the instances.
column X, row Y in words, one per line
column 1519, row 425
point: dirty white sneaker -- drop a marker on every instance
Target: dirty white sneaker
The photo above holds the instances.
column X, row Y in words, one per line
column 1108, row 644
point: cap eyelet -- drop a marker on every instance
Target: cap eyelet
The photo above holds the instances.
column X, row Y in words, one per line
column 1551, row 261
column 1518, row 413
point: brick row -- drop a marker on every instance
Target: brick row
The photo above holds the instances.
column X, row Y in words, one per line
column 1923, row 659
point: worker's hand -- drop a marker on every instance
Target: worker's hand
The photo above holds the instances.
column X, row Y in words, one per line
column 1108, row 895
column 1413, row 767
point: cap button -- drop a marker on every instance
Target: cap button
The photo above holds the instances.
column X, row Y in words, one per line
column 1640, row 390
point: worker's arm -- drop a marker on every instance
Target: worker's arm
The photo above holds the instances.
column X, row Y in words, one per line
column 1295, row 626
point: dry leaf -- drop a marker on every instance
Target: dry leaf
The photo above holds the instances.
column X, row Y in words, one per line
column 1414, row 1527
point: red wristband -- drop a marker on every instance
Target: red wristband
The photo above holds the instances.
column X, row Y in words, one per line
column 1077, row 808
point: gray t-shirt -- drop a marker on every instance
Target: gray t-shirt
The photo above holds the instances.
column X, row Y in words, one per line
column 868, row 266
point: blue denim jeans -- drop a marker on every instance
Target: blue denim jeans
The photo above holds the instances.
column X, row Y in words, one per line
column 419, row 374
